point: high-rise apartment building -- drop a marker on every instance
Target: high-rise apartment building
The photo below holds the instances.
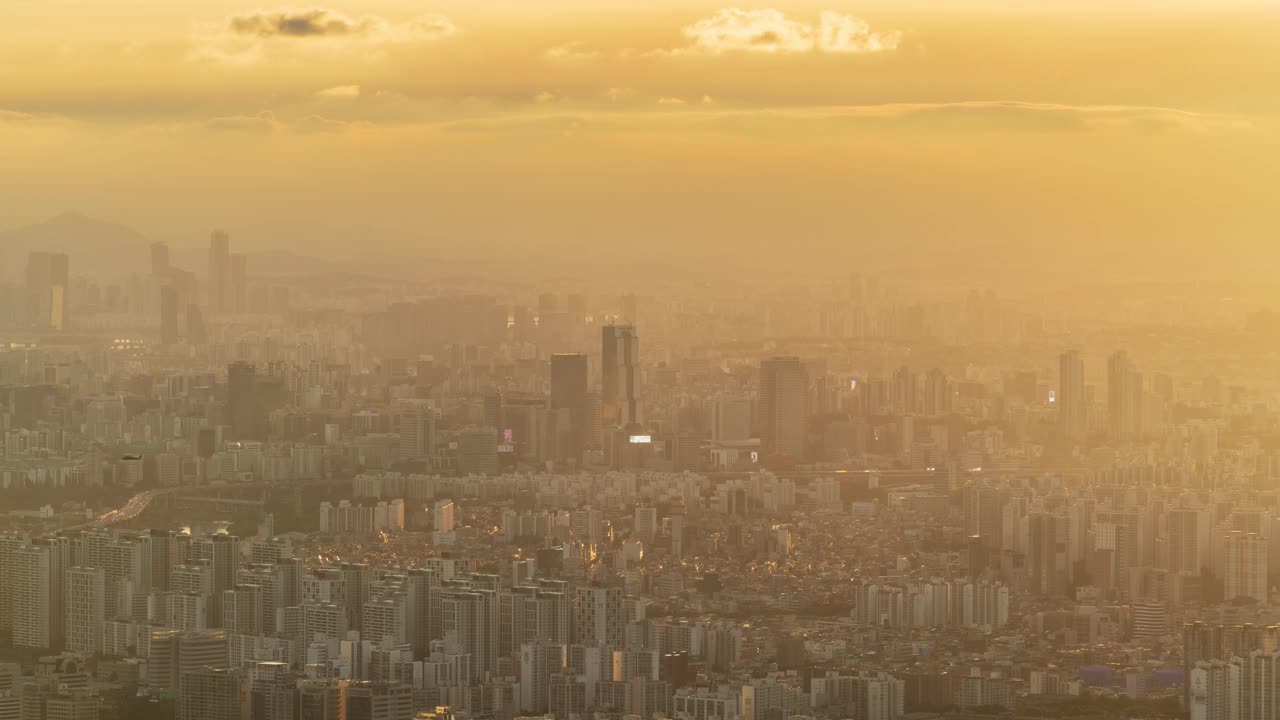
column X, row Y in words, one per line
column 39, row 572
column 1246, row 571
column 85, row 609
column 1124, row 397
column 1072, row 411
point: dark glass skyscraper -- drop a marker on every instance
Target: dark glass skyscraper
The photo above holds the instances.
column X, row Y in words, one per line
column 246, row 412
column 619, row 376
column 569, row 392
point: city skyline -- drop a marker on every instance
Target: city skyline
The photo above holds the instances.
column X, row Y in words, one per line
column 639, row 360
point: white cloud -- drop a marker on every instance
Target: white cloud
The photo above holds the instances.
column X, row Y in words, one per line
column 771, row 31
column 671, row 101
column 574, row 52
column 847, row 34
column 340, row 91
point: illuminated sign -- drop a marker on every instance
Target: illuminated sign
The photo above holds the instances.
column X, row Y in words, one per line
column 507, row 435
column 641, row 439
column 853, row 383
column 1052, row 396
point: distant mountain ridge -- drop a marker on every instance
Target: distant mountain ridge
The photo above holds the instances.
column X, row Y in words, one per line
column 106, row 249
column 109, row 248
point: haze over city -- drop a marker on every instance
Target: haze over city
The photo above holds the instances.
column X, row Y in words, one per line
column 639, row 360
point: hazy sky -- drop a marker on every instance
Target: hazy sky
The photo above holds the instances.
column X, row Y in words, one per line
column 806, row 130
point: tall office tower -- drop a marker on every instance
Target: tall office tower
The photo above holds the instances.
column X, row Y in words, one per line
column 86, row 608
column 39, row 572
column 169, row 328
column 784, row 407
column 48, row 282
column 1187, row 528
column 214, row 694
column 569, row 392
column 646, row 523
column 1072, row 413
column 1048, row 536
column 239, row 284
column 417, row 431
column 937, row 393
column 478, row 450
column 219, row 273
column 160, row 260
column 619, row 376
column 599, row 617
column 1246, row 571
column 1124, row 397
column 731, row 419
column 984, row 514
column 246, row 413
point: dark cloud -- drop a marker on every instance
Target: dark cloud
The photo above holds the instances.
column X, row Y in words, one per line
column 302, row 22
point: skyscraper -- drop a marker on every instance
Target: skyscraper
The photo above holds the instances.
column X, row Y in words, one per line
column 619, row 376
column 48, row 279
column 784, row 407
column 159, row 260
column 246, row 413
column 417, row 431
column 219, row 272
column 1048, row 539
column 731, row 418
column 1072, row 413
column 1124, row 397
column 569, row 392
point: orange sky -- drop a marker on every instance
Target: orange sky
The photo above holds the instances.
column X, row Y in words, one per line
column 672, row 123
